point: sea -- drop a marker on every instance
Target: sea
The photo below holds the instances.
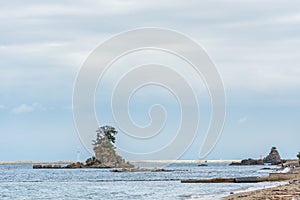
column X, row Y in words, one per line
column 23, row 182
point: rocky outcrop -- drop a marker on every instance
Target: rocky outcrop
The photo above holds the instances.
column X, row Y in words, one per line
column 273, row 158
column 89, row 163
column 105, row 157
column 105, row 153
column 248, row 161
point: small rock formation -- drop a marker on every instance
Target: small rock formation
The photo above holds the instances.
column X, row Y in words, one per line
column 37, row 166
column 143, row 170
column 89, row 163
column 47, row 167
column 105, row 154
column 273, row 158
column 105, row 151
column 248, row 161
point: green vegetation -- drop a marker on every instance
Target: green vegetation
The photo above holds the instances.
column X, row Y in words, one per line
column 273, row 148
column 298, row 155
column 105, row 135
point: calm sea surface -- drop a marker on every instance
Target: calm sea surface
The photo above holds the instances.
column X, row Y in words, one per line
column 23, row 182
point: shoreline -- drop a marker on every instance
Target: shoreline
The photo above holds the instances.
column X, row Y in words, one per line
column 283, row 191
column 252, row 189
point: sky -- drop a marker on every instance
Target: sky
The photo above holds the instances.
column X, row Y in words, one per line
column 255, row 46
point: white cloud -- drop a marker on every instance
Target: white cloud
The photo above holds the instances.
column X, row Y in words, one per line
column 2, row 107
column 253, row 52
column 243, row 120
column 24, row 108
column 70, row 107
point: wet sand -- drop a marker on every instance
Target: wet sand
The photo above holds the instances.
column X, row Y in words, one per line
column 289, row 191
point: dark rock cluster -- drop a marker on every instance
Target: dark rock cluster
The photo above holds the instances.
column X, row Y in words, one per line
column 47, row 166
column 89, row 163
column 249, row 161
column 105, row 157
column 273, row 158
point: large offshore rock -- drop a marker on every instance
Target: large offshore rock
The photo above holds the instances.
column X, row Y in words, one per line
column 105, row 153
column 273, row 157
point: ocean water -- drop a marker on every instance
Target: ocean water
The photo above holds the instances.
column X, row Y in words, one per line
column 23, row 182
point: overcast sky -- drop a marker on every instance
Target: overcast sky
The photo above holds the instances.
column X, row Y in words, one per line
column 254, row 44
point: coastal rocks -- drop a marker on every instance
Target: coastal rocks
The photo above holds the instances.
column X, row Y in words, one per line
column 94, row 163
column 143, row 170
column 273, row 158
column 75, row 165
column 105, row 151
column 248, row 161
column 47, row 166
column 106, row 154
column 37, row 166
column 89, row 163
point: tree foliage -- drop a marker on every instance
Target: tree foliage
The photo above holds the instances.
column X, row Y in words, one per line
column 298, row 155
column 105, row 134
column 273, row 148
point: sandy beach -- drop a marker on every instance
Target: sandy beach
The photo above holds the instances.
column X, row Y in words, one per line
column 289, row 191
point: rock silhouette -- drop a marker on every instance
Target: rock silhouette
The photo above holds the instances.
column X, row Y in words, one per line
column 105, row 154
column 273, row 157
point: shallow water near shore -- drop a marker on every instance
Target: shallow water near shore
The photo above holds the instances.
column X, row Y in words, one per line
column 23, row 182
